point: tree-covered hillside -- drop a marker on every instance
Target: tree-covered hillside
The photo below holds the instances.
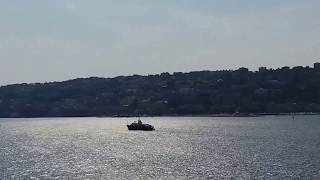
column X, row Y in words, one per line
column 280, row 90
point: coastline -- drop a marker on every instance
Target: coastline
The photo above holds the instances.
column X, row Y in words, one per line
column 180, row 115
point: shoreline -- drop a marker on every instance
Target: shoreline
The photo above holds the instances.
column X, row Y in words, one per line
column 180, row 115
column 223, row 115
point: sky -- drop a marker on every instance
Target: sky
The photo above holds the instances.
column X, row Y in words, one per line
column 56, row 40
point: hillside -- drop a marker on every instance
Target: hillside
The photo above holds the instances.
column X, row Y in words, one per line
column 280, row 90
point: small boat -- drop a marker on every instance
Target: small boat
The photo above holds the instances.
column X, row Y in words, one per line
column 140, row 126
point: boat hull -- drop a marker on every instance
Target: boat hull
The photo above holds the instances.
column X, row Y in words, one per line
column 143, row 127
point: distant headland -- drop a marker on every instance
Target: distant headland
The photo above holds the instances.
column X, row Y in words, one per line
column 228, row 92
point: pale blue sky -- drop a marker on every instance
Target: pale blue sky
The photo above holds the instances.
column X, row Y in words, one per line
column 54, row 40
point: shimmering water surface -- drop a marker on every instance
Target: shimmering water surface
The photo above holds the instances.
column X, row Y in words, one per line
column 180, row 148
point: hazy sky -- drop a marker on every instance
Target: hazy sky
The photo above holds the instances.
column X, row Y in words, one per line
column 54, row 40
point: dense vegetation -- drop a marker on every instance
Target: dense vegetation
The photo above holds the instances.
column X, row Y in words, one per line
column 280, row 90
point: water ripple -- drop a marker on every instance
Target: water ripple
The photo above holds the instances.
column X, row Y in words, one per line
column 180, row 148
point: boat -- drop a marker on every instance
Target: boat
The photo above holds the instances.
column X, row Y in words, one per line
column 140, row 126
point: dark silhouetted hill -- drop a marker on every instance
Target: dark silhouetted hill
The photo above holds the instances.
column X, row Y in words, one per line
column 282, row 90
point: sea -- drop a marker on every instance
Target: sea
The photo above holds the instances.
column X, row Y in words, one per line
column 269, row 147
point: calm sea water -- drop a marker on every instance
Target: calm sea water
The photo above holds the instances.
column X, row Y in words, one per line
column 180, row 148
